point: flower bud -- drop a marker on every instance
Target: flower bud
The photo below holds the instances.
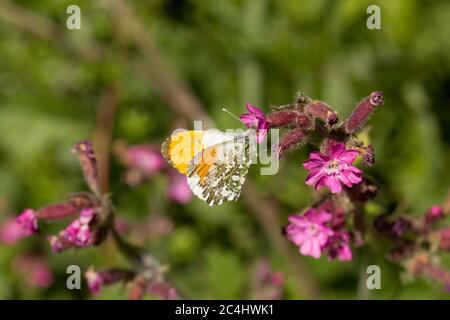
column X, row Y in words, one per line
column 83, row 200
column 322, row 111
column 303, row 121
column 88, row 163
column 28, row 220
column 363, row 111
column 57, row 211
column 96, row 279
column 435, row 213
column 290, row 140
column 280, row 119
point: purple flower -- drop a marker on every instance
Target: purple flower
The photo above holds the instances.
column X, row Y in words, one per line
column 28, row 221
column 339, row 247
column 78, row 232
column 145, row 158
column 94, row 281
column 333, row 169
column 256, row 119
column 434, row 214
column 178, row 190
column 308, row 231
column 11, row 232
column 34, row 269
column 400, row 227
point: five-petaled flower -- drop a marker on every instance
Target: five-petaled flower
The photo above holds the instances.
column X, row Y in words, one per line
column 333, row 169
column 309, row 232
column 256, row 119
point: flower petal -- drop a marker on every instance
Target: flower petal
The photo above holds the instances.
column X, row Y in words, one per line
column 349, row 156
column 337, row 150
column 256, row 111
column 314, row 177
column 333, row 183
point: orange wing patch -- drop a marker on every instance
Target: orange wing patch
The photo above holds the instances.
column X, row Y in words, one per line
column 206, row 163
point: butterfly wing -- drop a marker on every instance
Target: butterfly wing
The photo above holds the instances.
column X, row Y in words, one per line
column 181, row 147
column 218, row 172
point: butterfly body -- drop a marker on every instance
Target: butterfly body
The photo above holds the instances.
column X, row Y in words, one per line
column 215, row 163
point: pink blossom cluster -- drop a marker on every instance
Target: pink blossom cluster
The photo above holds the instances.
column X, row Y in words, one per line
column 79, row 233
column 313, row 234
column 92, row 219
column 323, row 228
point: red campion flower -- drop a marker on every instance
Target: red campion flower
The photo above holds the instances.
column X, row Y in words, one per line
column 333, row 169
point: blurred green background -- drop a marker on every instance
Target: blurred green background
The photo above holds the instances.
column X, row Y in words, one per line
column 224, row 53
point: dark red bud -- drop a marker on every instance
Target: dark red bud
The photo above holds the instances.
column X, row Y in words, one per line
column 303, row 121
column 322, row 111
column 280, row 119
column 57, row 211
column 290, row 140
column 363, row 111
column 333, row 119
column 83, row 200
column 115, row 275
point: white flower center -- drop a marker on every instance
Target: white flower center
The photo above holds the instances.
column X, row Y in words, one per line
column 333, row 167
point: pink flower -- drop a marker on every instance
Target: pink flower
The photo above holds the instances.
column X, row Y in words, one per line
column 11, row 232
column 434, row 214
column 178, row 190
column 339, row 248
column 94, row 282
column 78, row 231
column 42, row 276
column 34, row 269
column 28, row 221
column 309, row 232
column 334, row 169
column 145, row 158
column 256, row 119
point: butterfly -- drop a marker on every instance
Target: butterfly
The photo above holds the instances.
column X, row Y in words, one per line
column 215, row 163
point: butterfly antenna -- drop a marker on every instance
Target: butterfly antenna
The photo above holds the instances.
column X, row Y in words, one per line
column 231, row 114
